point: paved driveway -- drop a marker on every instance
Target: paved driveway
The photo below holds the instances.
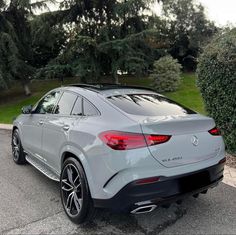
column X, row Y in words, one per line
column 30, row 203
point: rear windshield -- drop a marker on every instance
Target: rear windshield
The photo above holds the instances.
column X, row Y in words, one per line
column 148, row 105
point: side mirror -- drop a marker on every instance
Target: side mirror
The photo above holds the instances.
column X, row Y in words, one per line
column 27, row 109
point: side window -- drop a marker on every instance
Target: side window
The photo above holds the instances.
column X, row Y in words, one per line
column 89, row 109
column 77, row 110
column 65, row 104
column 46, row 105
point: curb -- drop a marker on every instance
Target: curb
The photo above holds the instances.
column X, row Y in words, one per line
column 230, row 176
column 6, row 127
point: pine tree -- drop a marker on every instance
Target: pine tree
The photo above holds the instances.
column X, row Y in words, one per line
column 16, row 55
column 109, row 36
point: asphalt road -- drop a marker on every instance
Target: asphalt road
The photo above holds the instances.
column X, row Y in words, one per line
column 30, row 204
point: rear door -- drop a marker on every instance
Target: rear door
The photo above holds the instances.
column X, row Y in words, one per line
column 57, row 126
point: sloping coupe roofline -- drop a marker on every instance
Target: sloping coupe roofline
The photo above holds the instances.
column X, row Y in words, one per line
column 97, row 87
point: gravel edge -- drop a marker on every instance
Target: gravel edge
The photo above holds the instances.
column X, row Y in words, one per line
column 230, row 160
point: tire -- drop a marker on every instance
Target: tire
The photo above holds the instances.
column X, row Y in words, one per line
column 17, row 149
column 75, row 194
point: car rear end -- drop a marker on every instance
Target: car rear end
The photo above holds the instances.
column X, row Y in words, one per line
column 176, row 152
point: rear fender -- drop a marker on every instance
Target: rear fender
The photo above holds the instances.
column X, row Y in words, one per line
column 82, row 159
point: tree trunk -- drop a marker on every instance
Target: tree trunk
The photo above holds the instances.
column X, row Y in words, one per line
column 27, row 89
column 116, row 77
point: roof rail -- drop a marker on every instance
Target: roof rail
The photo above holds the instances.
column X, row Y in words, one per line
column 109, row 86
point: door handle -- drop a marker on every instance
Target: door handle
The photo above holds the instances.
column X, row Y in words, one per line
column 40, row 122
column 66, row 128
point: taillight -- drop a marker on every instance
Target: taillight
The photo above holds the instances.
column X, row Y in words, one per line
column 118, row 140
column 156, row 139
column 122, row 141
column 215, row 131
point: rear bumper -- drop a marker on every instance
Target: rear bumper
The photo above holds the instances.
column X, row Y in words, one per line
column 166, row 190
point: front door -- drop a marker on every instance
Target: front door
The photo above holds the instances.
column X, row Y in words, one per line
column 33, row 125
column 32, row 133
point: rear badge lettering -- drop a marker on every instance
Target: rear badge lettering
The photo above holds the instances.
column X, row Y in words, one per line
column 172, row 159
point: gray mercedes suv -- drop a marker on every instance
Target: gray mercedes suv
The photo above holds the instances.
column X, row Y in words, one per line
column 118, row 147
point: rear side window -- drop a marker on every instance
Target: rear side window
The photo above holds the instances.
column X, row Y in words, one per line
column 148, row 105
column 89, row 109
column 77, row 110
column 84, row 107
column 66, row 103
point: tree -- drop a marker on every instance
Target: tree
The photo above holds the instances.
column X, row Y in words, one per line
column 134, row 54
column 16, row 53
column 109, row 37
column 47, row 39
column 121, row 36
column 189, row 30
column 95, row 38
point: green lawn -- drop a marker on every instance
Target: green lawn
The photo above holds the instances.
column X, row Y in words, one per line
column 188, row 94
column 12, row 101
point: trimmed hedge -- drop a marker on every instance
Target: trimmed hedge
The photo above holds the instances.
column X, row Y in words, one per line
column 217, row 82
column 166, row 74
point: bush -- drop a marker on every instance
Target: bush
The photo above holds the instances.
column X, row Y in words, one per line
column 217, row 83
column 166, row 74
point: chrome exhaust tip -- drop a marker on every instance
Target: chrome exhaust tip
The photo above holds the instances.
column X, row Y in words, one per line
column 144, row 209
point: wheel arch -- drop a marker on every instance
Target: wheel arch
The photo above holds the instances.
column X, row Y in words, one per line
column 68, row 154
column 83, row 162
column 14, row 128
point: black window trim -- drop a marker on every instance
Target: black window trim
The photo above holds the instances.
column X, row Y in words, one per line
column 77, row 96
